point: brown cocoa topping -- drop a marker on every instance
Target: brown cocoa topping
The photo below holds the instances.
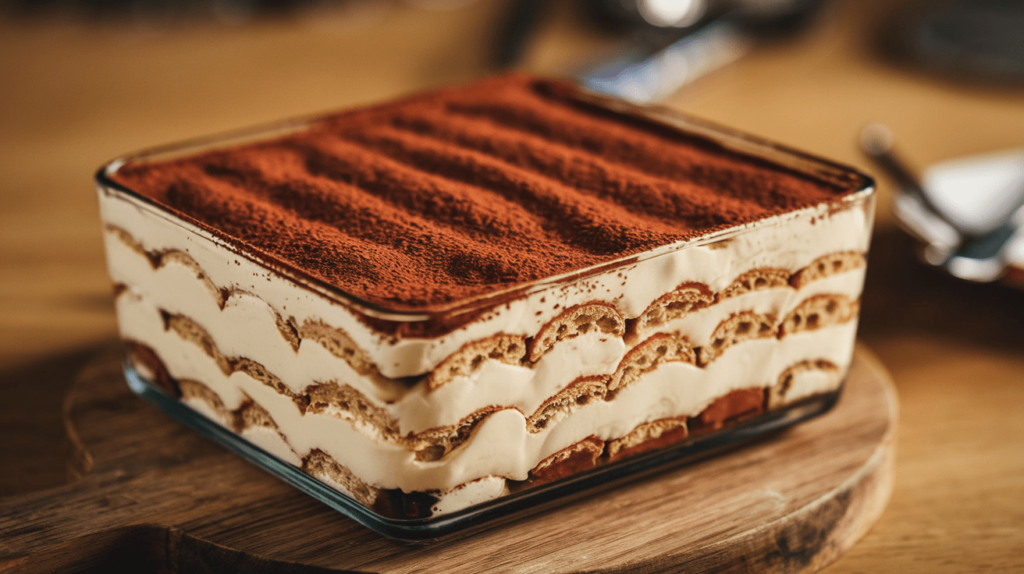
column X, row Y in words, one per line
column 445, row 196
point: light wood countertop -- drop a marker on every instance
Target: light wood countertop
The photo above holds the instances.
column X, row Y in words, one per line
column 74, row 95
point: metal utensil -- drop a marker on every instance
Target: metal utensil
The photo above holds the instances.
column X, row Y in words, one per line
column 964, row 253
column 704, row 35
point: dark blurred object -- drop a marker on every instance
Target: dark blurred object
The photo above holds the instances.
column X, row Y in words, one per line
column 643, row 75
column 968, row 213
column 673, row 42
column 520, row 23
column 976, row 39
column 653, row 26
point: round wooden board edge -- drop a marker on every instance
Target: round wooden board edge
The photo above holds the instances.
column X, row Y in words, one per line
column 805, row 539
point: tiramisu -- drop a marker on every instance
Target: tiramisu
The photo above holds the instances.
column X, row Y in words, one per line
column 473, row 291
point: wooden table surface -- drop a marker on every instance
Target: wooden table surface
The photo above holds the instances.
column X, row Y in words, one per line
column 75, row 94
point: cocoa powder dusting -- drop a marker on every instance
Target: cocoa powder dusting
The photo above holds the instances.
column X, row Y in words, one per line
column 440, row 197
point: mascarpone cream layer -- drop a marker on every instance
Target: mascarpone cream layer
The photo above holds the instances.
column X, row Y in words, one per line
column 246, row 327
column 501, row 446
column 789, row 241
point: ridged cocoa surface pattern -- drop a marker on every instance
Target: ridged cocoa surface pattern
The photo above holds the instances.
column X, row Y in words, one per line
column 440, row 197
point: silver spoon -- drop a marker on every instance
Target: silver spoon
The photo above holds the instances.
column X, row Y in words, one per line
column 975, row 257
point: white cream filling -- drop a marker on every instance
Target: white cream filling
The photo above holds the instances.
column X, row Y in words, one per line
column 201, row 407
column 270, row 440
column 789, row 241
column 501, row 445
column 246, row 327
column 808, row 383
column 699, row 325
column 498, row 384
column 482, row 490
column 175, row 289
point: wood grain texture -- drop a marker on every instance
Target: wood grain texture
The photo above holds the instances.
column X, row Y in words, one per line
column 151, row 493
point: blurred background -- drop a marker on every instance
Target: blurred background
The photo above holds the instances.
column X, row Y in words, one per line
column 86, row 80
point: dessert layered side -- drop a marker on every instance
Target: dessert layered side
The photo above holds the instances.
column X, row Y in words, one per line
column 470, row 292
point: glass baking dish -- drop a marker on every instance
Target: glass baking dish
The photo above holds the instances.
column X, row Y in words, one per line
column 164, row 263
column 588, row 483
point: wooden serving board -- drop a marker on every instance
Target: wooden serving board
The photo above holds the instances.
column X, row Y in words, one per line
column 151, row 495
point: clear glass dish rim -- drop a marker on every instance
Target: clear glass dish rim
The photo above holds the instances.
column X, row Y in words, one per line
column 736, row 141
